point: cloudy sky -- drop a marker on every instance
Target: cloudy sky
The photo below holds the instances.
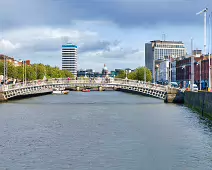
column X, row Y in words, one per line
column 106, row 31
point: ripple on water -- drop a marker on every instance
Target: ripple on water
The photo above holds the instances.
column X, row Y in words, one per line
column 108, row 130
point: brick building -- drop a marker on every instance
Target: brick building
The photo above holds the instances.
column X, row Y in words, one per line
column 12, row 60
column 183, row 71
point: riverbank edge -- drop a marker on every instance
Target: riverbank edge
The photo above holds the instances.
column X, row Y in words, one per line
column 200, row 102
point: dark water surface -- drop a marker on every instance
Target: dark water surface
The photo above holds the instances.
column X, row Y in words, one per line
column 102, row 131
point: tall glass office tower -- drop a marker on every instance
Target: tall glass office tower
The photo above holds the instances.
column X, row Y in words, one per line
column 69, row 58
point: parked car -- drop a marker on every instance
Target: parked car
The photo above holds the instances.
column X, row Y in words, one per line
column 174, row 84
column 195, row 88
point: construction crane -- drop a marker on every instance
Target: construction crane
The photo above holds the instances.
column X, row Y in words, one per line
column 205, row 15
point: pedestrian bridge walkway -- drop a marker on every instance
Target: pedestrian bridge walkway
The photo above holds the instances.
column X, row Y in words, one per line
column 36, row 87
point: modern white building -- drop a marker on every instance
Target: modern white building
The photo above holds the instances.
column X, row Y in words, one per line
column 163, row 71
column 69, row 58
column 157, row 51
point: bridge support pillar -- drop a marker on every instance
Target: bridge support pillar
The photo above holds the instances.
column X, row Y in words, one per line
column 115, row 88
column 77, row 88
column 174, row 96
column 100, row 88
column 2, row 98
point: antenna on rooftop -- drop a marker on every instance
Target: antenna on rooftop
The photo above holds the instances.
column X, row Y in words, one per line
column 164, row 37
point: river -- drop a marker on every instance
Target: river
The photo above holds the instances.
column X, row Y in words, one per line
column 102, row 131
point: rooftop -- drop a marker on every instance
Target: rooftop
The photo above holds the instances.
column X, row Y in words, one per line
column 173, row 42
column 69, row 45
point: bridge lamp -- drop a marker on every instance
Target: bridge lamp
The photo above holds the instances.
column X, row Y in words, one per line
column 126, row 74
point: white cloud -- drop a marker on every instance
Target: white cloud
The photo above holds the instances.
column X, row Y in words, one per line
column 30, row 40
column 43, row 45
column 8, row 46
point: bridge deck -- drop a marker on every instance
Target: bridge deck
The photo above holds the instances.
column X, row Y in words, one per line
column 13, row 90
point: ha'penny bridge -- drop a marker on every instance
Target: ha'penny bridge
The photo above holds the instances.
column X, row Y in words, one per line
column 36, row 88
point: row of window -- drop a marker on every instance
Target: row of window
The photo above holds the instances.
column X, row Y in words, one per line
column 70, row 57
column 74, row 63
column 69, row 61
column 69, row 50
column 69, row 54
column 170, row 45
column 69, row 64
column 73, row 68
column 174, row 51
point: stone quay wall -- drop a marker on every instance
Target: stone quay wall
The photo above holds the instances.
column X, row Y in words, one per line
column 201, row 102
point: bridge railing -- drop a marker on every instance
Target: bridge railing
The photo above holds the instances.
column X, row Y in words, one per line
column 65, row 81
column 139, row 83
column 48, row 82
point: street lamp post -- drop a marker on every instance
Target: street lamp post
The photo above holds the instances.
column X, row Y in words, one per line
column 209, row 60
column 170, row 70
column 184, row 73
column 5, row 68
column 153, row 69
column 145, row 74
column 25, row 73
column 192, row 65
column 126, row 74
column 205, row 31
column 200, row 75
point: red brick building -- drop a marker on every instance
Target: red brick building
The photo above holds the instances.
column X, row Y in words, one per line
column 13, row 61
column 183, row 70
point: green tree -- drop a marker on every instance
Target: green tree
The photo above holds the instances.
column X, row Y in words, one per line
column 132, row 76
column 138, row 74
column 19, row 72
column 35, row 71
column 1, row 68
column 11, row 71
column 121, row 74
column 41, row 71
column 30, row 73
column 68, row 73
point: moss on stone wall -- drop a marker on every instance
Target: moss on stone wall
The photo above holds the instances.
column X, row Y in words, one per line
column 201, row 102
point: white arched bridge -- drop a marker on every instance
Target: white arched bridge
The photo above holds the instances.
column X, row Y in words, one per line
column 44, row 87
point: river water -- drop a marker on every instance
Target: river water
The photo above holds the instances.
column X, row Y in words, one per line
column 102, row 131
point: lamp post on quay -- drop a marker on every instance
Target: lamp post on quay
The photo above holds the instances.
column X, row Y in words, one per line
column 145, row 74
column 200, row 75
column 24, row 71
column 5, row 69
column 205, row 31
column 184, row 73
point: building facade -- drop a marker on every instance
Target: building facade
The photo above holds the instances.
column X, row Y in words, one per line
column 163, row 71
column 157, row 51
column 201, row 73
column 12, row 61
column 69, row 58
column 173, row 71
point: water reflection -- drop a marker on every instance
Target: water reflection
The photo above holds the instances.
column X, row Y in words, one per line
column 102, row 130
